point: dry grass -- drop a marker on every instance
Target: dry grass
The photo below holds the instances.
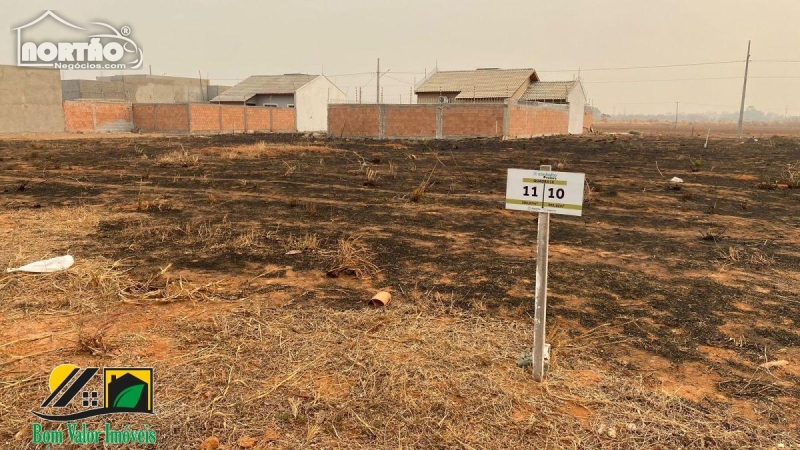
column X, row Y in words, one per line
column 263, row 149
column 307, row 242
column 93, row 342
column 203, row 235
column 353, row 257
column 751, row 256
column 180, row 157
column 416, row 375
column 790, row 176
column 418, row 192
column 290, row 168
column 372, row 176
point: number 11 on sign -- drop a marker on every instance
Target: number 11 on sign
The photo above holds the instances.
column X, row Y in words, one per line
column 545, row 192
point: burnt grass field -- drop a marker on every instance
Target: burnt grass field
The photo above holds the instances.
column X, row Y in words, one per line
column 688, row 290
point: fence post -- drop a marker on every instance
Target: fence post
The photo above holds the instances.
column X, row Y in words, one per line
column 381, row 123
column 188, row 118
column 244, row 112
column 94, row 117
column 439, row 115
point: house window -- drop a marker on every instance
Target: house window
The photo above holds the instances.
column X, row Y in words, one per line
column 290, row 105
column 270, row 105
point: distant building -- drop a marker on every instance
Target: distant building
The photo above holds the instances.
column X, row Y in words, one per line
column 141, row 89
column 502, row 86
column 308, row 94
column 560, row 92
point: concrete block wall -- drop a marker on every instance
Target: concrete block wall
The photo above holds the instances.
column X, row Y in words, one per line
column 209, row 118
column 537, row 120
column 108, row 117
column 30, row 100
column 588, row 120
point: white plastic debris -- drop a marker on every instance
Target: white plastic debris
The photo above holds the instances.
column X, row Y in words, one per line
column 46, row 265
column 676, row 180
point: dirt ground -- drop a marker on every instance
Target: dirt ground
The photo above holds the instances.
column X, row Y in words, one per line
column 238, row 268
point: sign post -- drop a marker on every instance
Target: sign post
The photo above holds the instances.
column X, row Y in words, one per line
column 545, row 192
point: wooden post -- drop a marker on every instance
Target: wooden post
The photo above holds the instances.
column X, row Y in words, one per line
column 542, row 244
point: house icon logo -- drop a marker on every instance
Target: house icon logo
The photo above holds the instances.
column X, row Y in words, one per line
column 110, row 48
column 74, row 393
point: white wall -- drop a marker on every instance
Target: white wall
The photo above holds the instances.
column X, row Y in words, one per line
column 311, row 104
column 577, row 101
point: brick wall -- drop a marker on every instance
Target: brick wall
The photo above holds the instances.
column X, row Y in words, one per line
column 172, row 118
column 283, row 119
column 413, row 121
column 588, row 120
column 232, row 118
column 417, row 121
column 115, row 117
column 97, row 116
column 537, row 120
column 78, row 116
column 258, row 119
column 144, row 117
column 353, row 120
column 473, row 120
column 205, row 117
column 208, row 118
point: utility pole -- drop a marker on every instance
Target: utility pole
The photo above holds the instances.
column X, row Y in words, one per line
column 744, row 89
column 378, row 85
column 676, row 114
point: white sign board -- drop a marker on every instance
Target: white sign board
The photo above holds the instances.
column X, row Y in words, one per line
column 545, row 191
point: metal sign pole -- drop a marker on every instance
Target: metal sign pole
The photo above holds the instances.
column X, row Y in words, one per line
column 543, row 242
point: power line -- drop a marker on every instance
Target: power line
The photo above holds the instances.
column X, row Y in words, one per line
column 580, row 69
column 396, row 79
column 666, row 79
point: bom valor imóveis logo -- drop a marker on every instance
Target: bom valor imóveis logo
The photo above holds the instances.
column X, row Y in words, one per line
column 77, row 48
column 77, row 394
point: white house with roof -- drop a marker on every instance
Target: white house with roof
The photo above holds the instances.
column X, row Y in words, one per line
column 502, row 86
column 309, row 95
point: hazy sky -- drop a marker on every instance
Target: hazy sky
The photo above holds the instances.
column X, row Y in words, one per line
column 232, row 40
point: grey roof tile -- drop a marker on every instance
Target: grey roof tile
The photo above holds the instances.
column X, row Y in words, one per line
column 264, row 84
column 548, row 90
column 481, row 83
